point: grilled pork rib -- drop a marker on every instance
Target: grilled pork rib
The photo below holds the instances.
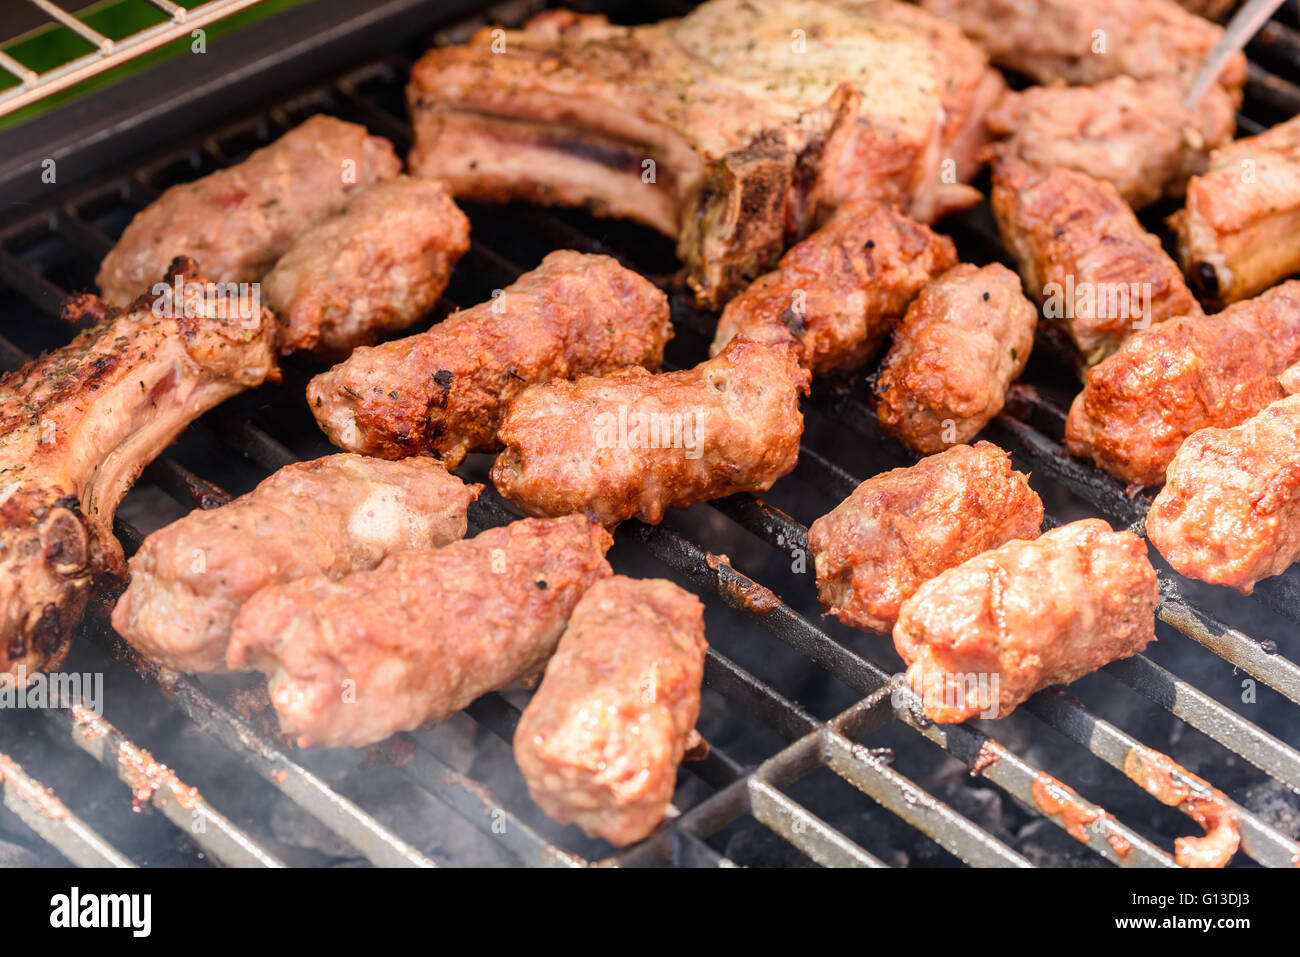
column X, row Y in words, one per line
column 239, row 220
column 1237, row 233
column 712, row 129
column 80, row 423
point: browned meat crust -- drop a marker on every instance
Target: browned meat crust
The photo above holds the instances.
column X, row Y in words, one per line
column 903, row 527
column 841, row 290
column 79, row 424
column 633, row 444
column 1134, row 134
column 713, row 129
column 962, row 342
column 419, row 637
column 980, row 638
column 1091, row 41
column 1183, row 375
column 445, row 391
column 1230, row 509
column 331, row 516
column 600, row 742
column 1237, row 234
column 239, row 220
column 373, row 269
column 1083, row 254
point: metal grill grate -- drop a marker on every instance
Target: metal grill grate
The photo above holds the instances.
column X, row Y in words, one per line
column 106, row 53
column 55, row 248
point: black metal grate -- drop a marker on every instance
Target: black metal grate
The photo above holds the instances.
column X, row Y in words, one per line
column 811, row 701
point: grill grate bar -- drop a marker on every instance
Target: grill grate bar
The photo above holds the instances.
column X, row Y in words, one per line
column 380, row 845
column 184, row 806
column 681, row 839
column 53, row 822
column 482, row 808
column 1068, row 716
column 1109, row 837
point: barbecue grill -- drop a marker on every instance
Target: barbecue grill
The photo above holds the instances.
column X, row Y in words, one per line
column 820, row 754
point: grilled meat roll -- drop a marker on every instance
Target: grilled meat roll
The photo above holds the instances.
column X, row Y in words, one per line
column 714, row 128
column 331, row 516
column 1230, row 509
column 1097, row 273
column 600, row 742
column 373, row 269
column 415, row 639
column 963, row 341
column 1237, row 233
column 238, row 221
column 633, row 444
column 1183, row 375
column 980, row 638
column 1091, row 41
column 78, row 425
column 901, row 528
column 840, row 291
column 1134, row 134
column 445, row 391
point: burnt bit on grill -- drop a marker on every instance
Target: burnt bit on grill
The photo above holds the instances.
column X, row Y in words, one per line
column 739, row 590
column 1175, row 786
column 990, row 752
column 697, row 749
column 1053, row 798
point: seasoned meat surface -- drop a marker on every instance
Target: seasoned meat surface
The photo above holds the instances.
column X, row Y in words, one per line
column 1134, row 134
column 962, row 342
column 238, row 221
column 980, row 638
column 633, row 444
column 735, row 129
column 421, row 635
column 1183, row 375
column 1097, row 273
column 1230, row 509
column 841, row 290
column 446, row 390
column 600, row 742
column 373, row 269
column 78, row 425
column 330, row 516
column 1087, row 41
column 903, row 527
column 1237, row 233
